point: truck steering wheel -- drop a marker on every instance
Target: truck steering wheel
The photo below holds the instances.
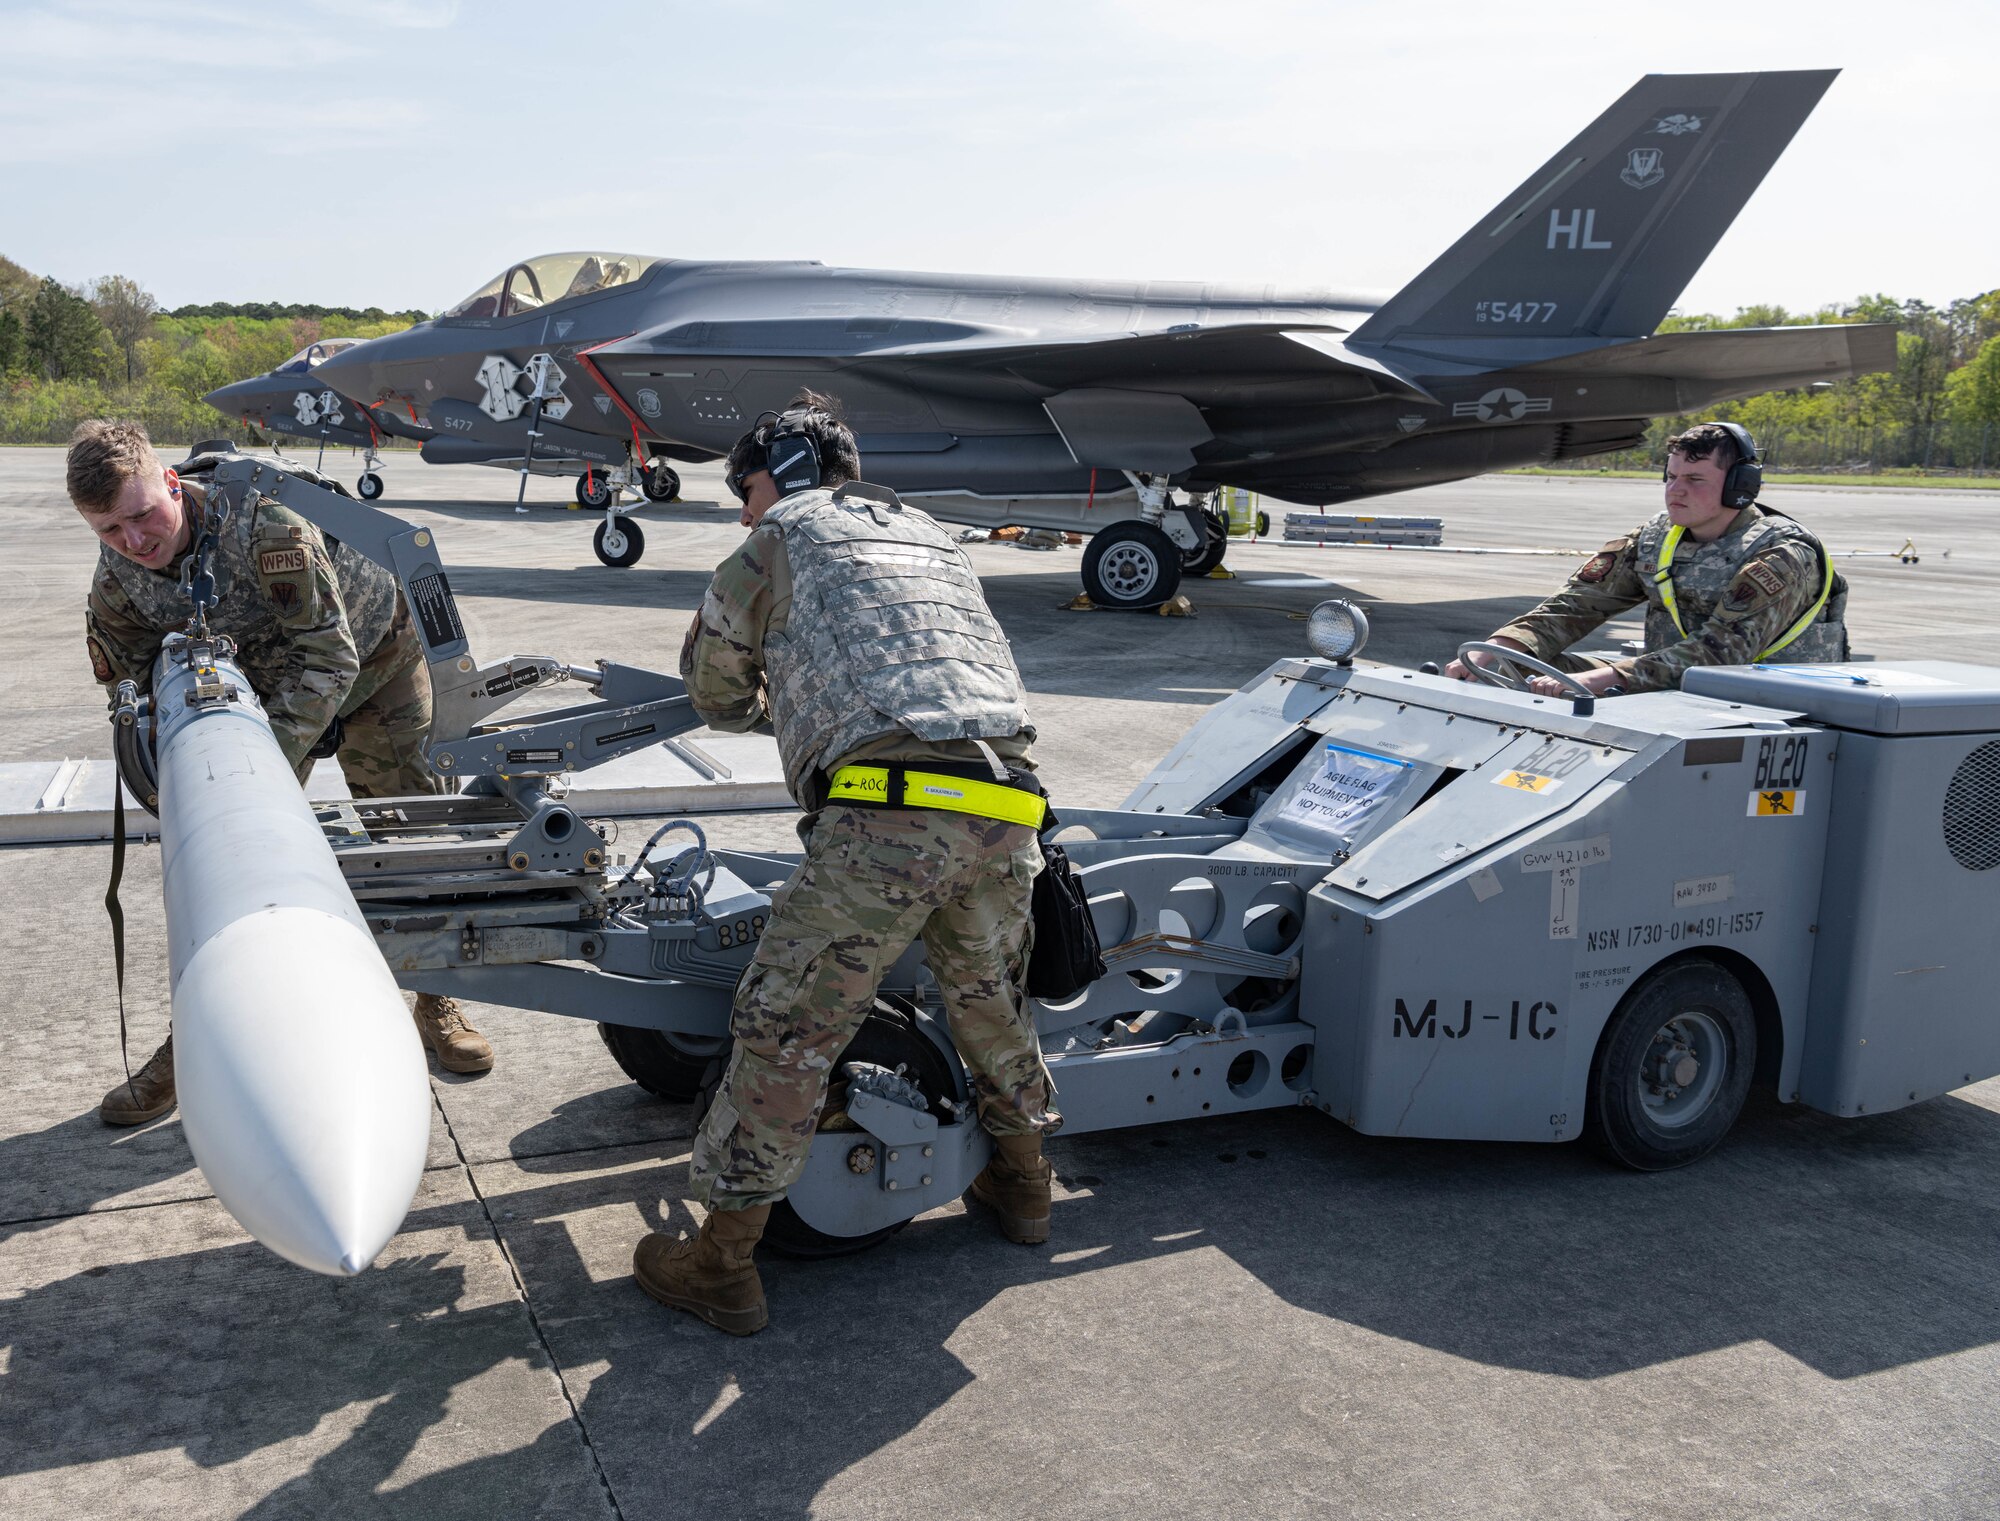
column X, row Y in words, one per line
column 1512, row 680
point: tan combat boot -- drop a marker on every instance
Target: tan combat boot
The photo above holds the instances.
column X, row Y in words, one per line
column 147, row 1096
column 1015, row 1186
column 446, row 1030
column 713, row 1275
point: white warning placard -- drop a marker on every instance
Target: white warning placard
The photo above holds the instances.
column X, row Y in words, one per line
column 1565, row 901
column 1349, row 786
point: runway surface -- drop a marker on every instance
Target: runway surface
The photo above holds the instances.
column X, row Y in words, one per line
column 1266, row 1316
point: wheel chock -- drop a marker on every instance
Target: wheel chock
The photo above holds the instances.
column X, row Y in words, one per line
column 1080, row 603
column 1222, row 573
column 1177, row 606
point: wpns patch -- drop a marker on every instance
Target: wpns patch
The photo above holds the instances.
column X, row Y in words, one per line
column 285, row 596
column 100, row 663
column 1761, row 576
column 281, row 562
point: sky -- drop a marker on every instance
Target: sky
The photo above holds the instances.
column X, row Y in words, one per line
column 398, row 153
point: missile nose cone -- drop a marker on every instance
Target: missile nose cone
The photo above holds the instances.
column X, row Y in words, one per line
column 305, row 1099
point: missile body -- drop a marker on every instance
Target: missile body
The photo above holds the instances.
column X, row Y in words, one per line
column 303, row 1088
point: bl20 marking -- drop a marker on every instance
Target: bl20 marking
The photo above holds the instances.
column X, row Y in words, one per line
column 1781, row 762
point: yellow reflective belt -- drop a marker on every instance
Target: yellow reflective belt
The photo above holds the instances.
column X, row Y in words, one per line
column 1663, row 577
column 930, row 789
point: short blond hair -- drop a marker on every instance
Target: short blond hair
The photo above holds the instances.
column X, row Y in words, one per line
column 103, row 455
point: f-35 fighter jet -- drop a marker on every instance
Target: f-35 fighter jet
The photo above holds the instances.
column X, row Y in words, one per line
column 293, row 401
column 1118, row 409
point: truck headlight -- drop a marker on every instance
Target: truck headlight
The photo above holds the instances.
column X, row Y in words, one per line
column 1337, row 630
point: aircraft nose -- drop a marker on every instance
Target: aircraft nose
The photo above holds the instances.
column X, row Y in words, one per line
column 235, row 399
column 349, row 372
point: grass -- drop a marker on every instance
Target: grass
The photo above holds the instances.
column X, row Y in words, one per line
column 1787, row 478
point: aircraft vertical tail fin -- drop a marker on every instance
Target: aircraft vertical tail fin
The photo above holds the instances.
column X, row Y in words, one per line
column 1600, row 241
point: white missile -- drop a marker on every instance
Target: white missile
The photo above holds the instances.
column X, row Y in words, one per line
column 303, row 1088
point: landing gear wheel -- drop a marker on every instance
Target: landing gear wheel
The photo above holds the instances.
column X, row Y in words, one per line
column 661, row 483
column 370, row 486
column 888, row 1037
column 1215, row 544
column 593, row 490
column 1131, row 564
column 1673, row 1067
column 618, row 542
column 667, row 1065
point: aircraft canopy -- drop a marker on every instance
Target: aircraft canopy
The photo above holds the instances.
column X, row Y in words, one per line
column 536, row 283
column 314, row 354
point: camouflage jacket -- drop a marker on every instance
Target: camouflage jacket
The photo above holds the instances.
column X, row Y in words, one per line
column 902, row 661
column 304, row 620
column 1737, row 595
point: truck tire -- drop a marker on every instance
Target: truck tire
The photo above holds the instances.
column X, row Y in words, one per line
column 667, row 1065
column 1673, row 1067
column 888, row 1037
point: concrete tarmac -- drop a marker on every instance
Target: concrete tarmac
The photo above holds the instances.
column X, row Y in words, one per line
column 1264, row 1316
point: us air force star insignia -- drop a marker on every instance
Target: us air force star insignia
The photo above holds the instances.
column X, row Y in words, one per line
column 1642, row 169
column 1503, row 404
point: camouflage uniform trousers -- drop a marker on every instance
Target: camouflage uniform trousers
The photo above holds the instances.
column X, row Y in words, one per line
column 873, row 880
column 383, row 732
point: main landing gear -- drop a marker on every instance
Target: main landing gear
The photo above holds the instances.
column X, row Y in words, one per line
column 1139, row 563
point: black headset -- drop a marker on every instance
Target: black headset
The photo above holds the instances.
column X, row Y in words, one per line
column 784, row 448
column 1746, row 477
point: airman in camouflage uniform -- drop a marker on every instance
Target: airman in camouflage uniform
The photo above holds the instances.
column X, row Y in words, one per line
column 1742, row 581
column 323, row 635
column 853, row 627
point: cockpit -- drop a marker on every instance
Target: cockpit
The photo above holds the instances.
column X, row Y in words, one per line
column 313, row 355
column 535, row 283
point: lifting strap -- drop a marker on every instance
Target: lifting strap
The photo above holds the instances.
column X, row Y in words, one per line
column 1663, row 578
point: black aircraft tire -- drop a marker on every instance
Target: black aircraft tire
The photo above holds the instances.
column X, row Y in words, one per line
column 1131, row 565
column 1637, row 1120
column 1215, row 545
column 888, row 1037
column 662, row 484
column 593, row 491
column 619, row 546
column 666, row 1065
column 370, row 486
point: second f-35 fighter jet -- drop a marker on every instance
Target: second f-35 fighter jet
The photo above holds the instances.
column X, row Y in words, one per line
column 293, row 401
column 1119, row 410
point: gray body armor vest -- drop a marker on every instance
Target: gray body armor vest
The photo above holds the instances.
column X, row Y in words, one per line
column 888, row 630
column 367, row 591
column 1702, row 578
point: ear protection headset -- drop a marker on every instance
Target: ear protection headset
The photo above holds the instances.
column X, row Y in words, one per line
column 1746, row 477
column 784, row 448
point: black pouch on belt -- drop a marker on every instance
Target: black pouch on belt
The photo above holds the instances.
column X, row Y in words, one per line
column 1067, row 957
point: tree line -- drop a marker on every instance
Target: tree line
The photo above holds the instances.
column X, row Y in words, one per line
column 1938, row 410
column 106, row 347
